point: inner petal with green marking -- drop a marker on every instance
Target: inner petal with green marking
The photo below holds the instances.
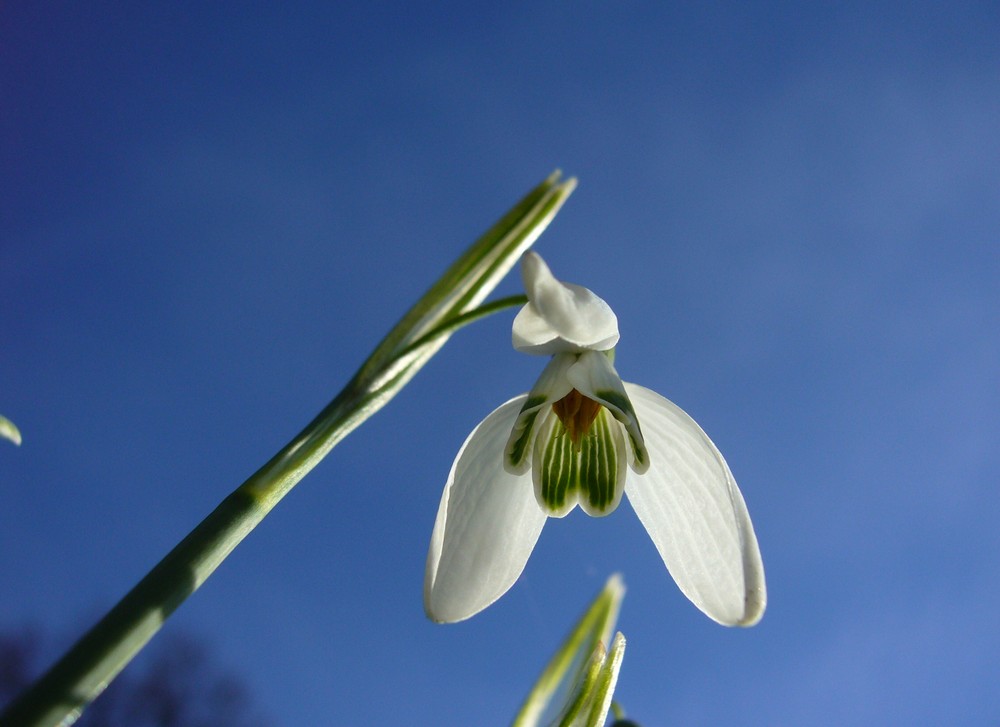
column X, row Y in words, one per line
column 579, row 458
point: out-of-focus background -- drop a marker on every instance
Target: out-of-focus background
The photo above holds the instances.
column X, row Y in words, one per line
column 210, row 214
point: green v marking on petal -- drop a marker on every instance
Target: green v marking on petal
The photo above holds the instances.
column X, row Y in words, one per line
column 520, row 436
column 624, row 413
column 592, row 470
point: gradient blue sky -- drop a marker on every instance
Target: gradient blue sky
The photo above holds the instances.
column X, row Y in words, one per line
column 210, row 213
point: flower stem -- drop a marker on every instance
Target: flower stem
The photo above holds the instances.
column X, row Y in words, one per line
column 59, row 696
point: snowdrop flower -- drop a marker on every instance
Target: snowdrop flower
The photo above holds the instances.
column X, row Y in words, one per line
column 582, row 436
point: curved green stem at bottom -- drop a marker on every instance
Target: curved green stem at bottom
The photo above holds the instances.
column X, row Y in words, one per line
column 59, row 696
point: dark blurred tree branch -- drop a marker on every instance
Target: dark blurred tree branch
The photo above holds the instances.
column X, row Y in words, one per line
column 175, row 685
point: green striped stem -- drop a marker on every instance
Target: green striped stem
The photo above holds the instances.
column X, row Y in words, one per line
column 59, row 696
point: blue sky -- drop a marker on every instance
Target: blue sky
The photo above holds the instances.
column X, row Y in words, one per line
column 210, row 214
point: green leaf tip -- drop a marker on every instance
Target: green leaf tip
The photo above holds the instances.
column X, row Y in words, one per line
column 582, row 671
column 9, row 431
column 448, row 303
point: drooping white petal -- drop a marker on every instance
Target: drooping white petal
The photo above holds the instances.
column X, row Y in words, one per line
column 691, row 507
column 594, row 376
column 487, row 525
column 560, row 316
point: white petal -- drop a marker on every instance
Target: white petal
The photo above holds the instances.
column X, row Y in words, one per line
column 691, row 507
column 560, row 316
column 532, row 334
column 487, row 525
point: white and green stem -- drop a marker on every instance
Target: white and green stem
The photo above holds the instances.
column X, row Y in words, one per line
column 59, row 696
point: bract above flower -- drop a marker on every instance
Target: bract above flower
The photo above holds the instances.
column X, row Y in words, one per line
column 584, row 437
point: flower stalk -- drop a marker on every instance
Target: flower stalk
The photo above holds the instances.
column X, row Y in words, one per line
column 60, row 696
